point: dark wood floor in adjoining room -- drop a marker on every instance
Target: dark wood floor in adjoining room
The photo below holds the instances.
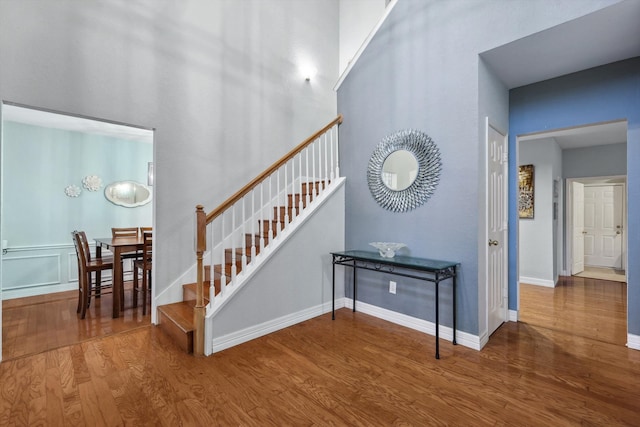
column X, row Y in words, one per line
column 355, row 371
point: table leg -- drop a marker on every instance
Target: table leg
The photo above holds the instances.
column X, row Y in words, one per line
column 117, row 281
column 437, row 322
column 98, row 272
column 453, row 300
column 333, row 291
column 354, row 285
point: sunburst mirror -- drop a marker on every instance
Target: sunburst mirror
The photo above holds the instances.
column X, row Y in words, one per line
column 404, row 170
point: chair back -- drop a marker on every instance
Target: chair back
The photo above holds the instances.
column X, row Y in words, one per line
column 82, row 250
column 147, row 249
column 143, row 229
column 124, row 232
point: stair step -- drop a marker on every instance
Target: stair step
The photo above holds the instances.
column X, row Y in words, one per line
column 190, row 292
column 294, row 199
column 176, row 320
column 281, row 211
column 256, row 241
column 229, row 252
column 274, row 224
column 317, row 185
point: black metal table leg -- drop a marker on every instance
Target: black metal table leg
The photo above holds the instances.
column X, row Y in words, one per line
column 437, row 322
column 354, row 285
column 455, row 275
column 333, row 291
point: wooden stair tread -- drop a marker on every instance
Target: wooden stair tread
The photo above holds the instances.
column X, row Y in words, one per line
column 181, row 313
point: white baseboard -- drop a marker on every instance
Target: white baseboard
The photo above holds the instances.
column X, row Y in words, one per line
column 538, row 282
column 633, row 341
column 38, row 290
column 513, row 315
column 463, row 338
column 253, row 332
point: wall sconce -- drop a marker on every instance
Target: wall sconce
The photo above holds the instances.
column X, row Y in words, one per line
column 150, row 174
column 308, row 71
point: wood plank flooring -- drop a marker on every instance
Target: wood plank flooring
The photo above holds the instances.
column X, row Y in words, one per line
column 355, row 371
column 40, row 323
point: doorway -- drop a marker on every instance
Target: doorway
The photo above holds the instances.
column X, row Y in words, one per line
column 596, row 226
column 54, row 171
column 582, row 225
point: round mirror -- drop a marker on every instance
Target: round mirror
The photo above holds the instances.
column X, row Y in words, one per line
column 399, row 170
column 404, row 170
column 128, row 193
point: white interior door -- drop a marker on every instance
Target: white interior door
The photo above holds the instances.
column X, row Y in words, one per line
column 603, row 226
column 497, row 162
column 577, row 247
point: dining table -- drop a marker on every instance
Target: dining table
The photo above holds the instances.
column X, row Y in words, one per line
column 118, row 246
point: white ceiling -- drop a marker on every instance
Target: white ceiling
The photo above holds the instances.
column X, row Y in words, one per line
column 49, row 119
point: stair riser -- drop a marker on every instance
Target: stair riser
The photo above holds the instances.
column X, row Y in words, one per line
column 182, row 339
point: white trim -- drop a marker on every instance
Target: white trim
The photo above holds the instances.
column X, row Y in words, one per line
column 31, row 291
column 537, row 282
column 257, row 331
column 633, row 341
column 464, row 338
column 513, row 315
column 366, row 42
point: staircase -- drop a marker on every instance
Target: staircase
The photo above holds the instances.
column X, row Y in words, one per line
column 180, row 320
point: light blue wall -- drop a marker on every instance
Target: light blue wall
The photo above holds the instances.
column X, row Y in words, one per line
column 606, row 93
column 39, row 163
column 600, row 160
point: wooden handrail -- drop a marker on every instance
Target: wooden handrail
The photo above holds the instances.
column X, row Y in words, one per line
column 244, row 190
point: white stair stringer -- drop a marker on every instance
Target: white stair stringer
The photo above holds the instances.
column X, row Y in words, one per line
column 283, row 292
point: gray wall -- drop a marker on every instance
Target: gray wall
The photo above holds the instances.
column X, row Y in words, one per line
column 538, row 248
column 600, row 160
column 218, row 80
column 422, row 70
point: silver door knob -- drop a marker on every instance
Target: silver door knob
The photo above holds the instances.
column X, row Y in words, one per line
column 493, row 242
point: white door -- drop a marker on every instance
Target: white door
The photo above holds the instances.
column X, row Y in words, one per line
column 603, row 226
column 497, row 162
column 577, row 248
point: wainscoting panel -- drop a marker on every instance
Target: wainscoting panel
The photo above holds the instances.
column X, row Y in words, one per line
column 30, row 271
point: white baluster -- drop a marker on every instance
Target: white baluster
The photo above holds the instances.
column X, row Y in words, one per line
column 223, row 277
column 286, row 197
column 337, row 153
column 277, row 210
column 332, row 158
column 261, row 222
column 253, row 223
column 306, row 171
column 234, row 269
column 212, row 288
column 314, row 178
column 243, row 237
column 326, row 162
column 269, row 210
column 300, row 178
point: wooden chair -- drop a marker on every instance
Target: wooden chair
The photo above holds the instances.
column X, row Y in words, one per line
column 87, row 266
column 126, row 232
column 144, row 265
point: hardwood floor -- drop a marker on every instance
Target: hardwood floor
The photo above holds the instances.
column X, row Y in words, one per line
column 40, row 323
column 357, row 370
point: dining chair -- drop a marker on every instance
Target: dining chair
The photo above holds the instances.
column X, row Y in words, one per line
column 144, row 265
column 126, row 232
column 87, row 266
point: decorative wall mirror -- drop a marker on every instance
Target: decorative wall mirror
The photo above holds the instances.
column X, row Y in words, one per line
column 404, row 170
column 129, row 194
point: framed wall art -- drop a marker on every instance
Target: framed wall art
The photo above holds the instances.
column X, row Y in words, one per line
column 526, row 189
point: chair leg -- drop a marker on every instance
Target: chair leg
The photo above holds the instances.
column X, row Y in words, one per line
column 98, row 283
column 135, row 286
column 144, row 292
column 85, row 295
column 122, row 289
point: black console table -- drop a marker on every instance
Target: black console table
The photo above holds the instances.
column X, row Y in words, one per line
column 429, row 270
